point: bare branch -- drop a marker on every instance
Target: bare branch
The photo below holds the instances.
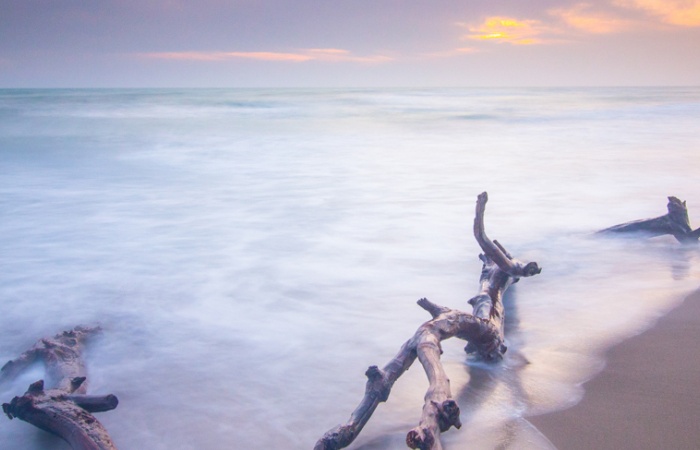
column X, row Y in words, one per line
column 483, row 330
column 53, row 412
column 496, row 252
column 65, row 410
column 432, row 308
column 14, row 367
column 675, row 223
column 493, row 252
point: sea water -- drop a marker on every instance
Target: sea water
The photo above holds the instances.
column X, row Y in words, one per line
column 249, row 253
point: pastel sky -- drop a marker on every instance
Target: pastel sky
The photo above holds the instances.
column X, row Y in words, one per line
column 348, row 43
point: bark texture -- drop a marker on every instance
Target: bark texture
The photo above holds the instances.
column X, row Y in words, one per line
column 482, row 329
column 675, row 223
column 64, row 410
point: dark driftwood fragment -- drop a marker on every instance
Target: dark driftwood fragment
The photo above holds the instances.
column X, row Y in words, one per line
column 65, row 410
column 675, row 223
column 483, row 329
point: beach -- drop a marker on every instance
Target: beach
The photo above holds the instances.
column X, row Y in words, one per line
column 647, row 395
column 263, row 247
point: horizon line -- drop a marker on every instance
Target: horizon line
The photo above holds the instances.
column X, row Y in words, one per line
column 554, row 86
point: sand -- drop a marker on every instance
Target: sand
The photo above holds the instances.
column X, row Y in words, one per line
column 647, row 397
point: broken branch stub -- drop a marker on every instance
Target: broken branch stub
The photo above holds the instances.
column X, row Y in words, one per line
column 482, row 329
column 65, row 410
column 675, row 222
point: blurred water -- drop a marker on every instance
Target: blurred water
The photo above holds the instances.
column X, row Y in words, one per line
column 250, row 252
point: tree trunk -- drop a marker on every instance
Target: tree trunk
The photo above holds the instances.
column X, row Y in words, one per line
column 483, row 330
column 64, row 410
column 675, row 223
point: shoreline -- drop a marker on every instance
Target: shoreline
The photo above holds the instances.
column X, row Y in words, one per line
column 646, row 397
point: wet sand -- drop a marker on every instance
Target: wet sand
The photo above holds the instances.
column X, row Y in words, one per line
column 648, row 395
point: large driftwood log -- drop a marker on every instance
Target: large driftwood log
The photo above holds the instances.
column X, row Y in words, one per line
column 64, row 410
column 675, row 223
column 483, row 330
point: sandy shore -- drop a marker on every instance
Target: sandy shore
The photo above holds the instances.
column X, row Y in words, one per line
column 647, row 397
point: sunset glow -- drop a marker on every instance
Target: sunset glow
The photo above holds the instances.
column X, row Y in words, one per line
column 273, row 43
column 583, row 18
column 685, row 13
column 505, row 29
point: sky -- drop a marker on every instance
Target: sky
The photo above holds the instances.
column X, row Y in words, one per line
column 348, row 43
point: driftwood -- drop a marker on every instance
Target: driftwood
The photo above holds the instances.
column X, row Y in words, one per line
column 675, row 223
column 483, row 329
column 65, row 409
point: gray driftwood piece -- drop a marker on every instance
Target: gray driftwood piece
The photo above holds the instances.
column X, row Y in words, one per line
column 64, row 410
column 675, row 223
column 482, row 329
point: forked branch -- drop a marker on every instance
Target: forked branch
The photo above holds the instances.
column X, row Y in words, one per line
column 495, row 251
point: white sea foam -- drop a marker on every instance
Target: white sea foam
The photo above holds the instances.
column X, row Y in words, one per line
column 250, row 252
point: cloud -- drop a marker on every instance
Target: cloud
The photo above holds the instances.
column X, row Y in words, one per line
column 221, row 56
column 582, row 18
column 684, row 13
column 510, row 30
column 452, row 53
column 560, row 25
column 313, row 54
column 340, row 55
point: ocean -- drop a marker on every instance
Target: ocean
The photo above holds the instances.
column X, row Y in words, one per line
column 249, row 253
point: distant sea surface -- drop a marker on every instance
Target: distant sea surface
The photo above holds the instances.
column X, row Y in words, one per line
column 249, row 253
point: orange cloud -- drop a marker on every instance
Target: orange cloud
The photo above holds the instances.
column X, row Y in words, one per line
column 318, row 54
column 220, row 56
column 340, row 55
column 582, row 18
column 452, row 53
column 512, row 31
column 566, row 25
column 676, row 12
